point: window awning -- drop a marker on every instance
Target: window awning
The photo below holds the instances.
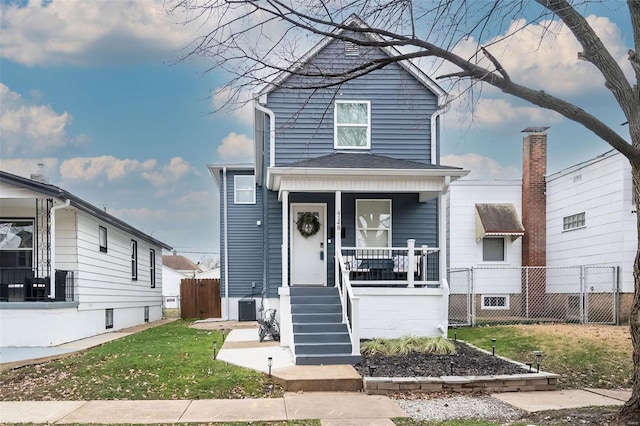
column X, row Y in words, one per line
column 498, row 220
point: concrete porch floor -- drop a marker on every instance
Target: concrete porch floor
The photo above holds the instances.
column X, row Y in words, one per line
column 243, row 348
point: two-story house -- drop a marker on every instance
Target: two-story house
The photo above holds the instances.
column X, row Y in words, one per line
column 341, row 219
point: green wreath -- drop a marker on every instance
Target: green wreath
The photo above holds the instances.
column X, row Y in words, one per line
column 308, row 224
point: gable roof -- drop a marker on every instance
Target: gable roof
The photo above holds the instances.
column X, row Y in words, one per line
column 59, row 193
column 355, row 22
column 347, row 160
column 179, row 263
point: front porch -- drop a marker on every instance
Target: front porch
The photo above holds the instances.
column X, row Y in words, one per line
column 29, row 285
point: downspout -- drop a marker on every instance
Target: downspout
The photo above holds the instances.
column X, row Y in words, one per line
column 226, row 241
column 52, row 288
column 435, row 141
column 272, row 132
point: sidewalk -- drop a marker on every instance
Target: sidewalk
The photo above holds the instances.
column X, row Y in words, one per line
column 333, row 408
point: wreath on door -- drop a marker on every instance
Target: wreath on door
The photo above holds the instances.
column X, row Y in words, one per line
column 308, row 224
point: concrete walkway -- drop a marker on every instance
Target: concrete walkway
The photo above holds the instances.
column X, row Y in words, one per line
column 561, row 399
column 333, row 408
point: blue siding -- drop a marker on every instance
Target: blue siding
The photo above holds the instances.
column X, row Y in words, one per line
column 245, row 242
column 401, row 108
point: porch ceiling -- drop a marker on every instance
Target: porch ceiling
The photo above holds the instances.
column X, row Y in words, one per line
column 428, row 183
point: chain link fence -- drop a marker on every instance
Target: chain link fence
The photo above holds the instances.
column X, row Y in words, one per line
column 532, row 294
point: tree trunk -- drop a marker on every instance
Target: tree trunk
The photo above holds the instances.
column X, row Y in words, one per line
column 631, row 409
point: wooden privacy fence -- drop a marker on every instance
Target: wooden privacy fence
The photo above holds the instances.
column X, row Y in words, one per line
column 200, row 298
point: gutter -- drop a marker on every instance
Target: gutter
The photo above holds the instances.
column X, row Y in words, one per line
column 52, row 286
column 226, row 241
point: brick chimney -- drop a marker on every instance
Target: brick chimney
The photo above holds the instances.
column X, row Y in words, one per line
column 534, row 216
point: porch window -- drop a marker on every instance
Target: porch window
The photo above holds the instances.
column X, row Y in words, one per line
column 373, row 223
column 102, row 239
column 493, row 250
column 244, row 189
column 134, row 260
column 352, row 125
column 152, row 267
column 16, row 243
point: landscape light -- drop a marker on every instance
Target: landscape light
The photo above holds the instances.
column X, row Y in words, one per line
column 372, row 370
column 528, row 364
column 538, row 355
column 455, row 333
column 215, row 349
column 493, row 346
column 270, row 364
column 451, row 367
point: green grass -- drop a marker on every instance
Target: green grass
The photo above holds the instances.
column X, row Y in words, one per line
column 171, row 361
column 582, row 361
column 407, row 344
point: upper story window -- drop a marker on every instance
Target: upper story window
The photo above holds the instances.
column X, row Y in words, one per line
column 244, row 189
column 373, row 223
column 16, row 243
column 352, row 121
column 102, row 238
column 574, row 221
column 493, row 249
column 134, row 260
column 152, row 267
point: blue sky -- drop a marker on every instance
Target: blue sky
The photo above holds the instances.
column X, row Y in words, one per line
column 93, row 90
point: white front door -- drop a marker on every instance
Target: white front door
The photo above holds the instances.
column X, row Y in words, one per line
column 308, row 252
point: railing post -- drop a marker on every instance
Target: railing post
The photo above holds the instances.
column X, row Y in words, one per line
column 355, row 326
column 411, row 263
column 425, row 257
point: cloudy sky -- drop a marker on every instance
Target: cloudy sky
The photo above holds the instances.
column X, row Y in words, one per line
column 94, row 91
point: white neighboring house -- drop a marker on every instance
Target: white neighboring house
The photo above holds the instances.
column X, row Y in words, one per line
column 175, row 268
column 587, row 218
column 69, row 270
column 212, row 273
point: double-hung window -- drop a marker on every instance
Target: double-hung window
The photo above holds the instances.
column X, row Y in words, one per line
column 244, row 189
column 16, row 243
column 352, row 125
column 373, row 223
column 152, row 267
column 134, row 260
column 102, row 239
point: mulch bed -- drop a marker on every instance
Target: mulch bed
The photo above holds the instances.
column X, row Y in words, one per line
column 466, row 362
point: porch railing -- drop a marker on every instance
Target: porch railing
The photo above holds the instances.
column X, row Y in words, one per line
column 350, row 305
column 393, row 266
column 24, row 285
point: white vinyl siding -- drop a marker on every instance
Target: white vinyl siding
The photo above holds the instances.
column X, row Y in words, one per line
column 352, row 125
column 373, row 223
column 244, row 189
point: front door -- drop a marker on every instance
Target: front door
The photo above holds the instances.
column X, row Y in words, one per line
column 308, row 244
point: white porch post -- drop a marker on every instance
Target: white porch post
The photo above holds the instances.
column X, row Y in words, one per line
column 442, row 236
column 285, row 238
column 338, row 235
column 411, row 263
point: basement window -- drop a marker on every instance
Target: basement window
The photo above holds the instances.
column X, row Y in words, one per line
column 494, row 302
column 108, row 318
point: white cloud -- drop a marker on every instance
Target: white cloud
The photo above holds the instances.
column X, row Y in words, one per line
column 545, row 55
column 481, row 167
column 28, row 129
column 171, row 173
column 236, row 147
column 233, row 103
column 89, row 33
column 493, row 113
column 91, row 168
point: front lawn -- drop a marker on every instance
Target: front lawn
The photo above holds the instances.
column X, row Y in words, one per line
column 171, row 361
column 584, row 355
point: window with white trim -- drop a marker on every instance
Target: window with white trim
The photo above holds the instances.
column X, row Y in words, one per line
column 244, row 189
column 373, row 223
column 493, row 249
column 352, row 125
column 134, row 260
column 16, row 243
column 573, row 222
column 495, row 302
column 102, row 239
column 152, row 267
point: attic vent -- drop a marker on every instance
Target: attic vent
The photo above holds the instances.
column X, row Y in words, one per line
column 351, row 49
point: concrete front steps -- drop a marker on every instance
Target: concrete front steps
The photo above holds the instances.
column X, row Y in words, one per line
column 319, row 378
column 319, row 336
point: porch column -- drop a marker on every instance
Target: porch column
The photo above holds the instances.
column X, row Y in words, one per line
column 442, row 235
column 337, row 235
column 285, row 238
